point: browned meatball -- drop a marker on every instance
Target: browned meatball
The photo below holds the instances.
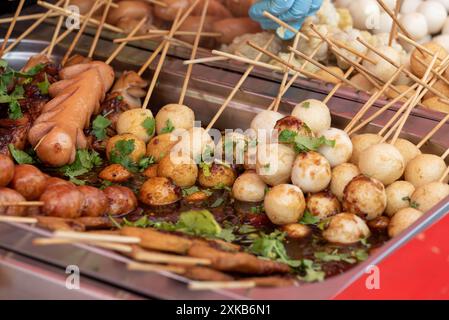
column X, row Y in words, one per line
column 53, row 181
column 379, row 223
column 6, row 170
column 10, row 195
column 216, row 175
column 159, row 191
column 115, row 173
column 95, row 202
column 323, row 204
column 63, row 201
column 29, row 181
column 122, row 200
column 293, row 124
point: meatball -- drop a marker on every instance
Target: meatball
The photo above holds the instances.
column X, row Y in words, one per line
column 122, row 200
column 95, row 203
column 296, row 230
column 346, row 228
column 365, row 196
column 232, row 146
column 407, row 149
column 274, row 163
column 139, row 122
column 180, row 169
column 196, row 143
column 423, row 169
column 115, row 173
column 311, row 172
column 361, row 142
column 6, row 170
column 284, row 204
column 342, row 150
column 139, row 146
column 293, row 124
column 176, row 116
column 341, row 176
column 249, row 187
column 10, row 195
column 264, row 122
column 398, row 196
column 382, row 68
column 383, row 162
column 63, row 201
column 160, row 146
column 419, row 69
column 159, row 191
column 216, row 175
column 29, row 181
column 323, row 204
column 428, row 195
column 314, row 113
column 403, row 219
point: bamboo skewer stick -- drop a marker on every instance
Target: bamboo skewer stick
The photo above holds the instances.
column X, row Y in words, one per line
column 433, row 131
column 58, row 40
column 247, row 60
column 153, row 34
column 99, row 29
column 445, row 154
column 105, row 245
column 135, row 266
column 394, row 27
column 161, row 61
column 353, row 51
column 204, row 60
column 11, row 26
column 80, row 31
column 416, row 45
column 388, row 125
column 268, row 15
column 28, row 17
column 15, row 219
column 81, row 17
column 446, row 172
column 196, row 43
column 30, row 29
column 157, row 257
column 83, row 236
column 22, row 203
column 210, row 285
column 338, row 85
column 237, row 87
column 371, row 101
column 56, row 32
column 123, row 44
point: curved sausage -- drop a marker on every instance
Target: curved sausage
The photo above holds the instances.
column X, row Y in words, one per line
column 29, row 181
column 95, row 202
column 134, row 10
column 168, row 13
column 58, row 131
column 234, row 27
column 63, row 201
column 131, row 87
column 122, row 200
column 192, row 23
column 10, row 195
column 6, row 170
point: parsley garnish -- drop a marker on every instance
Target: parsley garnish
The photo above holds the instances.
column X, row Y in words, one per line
column 306, row 104
column 218, row 202
column 257, row 209
column 99, row 126
column 189, row 191
column 149, row 125
column 15, row 112
column 309, row 218
column 206, row 168
column 44, row 85
column 168, row 127
column 84, row 162
column 20, row 156
column 312, row 272
column 121, row 152
column 304, row 143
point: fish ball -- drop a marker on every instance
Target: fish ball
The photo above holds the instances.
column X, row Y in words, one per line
column 314, row 113
column 284, row 204
column 403, row 219
column 423, row 169
column 398, row 196
column 341, row 176
column 342, row 150
column 311, row 172
column 346, row 228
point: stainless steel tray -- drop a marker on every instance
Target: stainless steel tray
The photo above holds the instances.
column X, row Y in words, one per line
column 207, row 90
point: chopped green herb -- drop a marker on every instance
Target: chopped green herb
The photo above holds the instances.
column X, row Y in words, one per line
column 149, row 125
column 189, row 191
column 105, row 184
column 222, row 186
column 99, row 126
column 309, row 218
column 311, row 270
column 84, row 162
column 120, row 154
column 119, row 98
column 323, row 224
column 414, row 205
column 334, row 256
column 304, row 143
column 206, row 168
column 20, row 156
column 3, row 63
column 15, row 111
column 168, row 127
column 44, row 85
column 306, row 104
column 145, row 162
column 114, row 222
column 218, row 202
column 257, row 209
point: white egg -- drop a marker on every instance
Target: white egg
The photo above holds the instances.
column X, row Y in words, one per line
column 311, row 172
column 363, row 13
column 416, row 24
column 284, row 204
column 274, row 163
column 435, row 14
column 346, row 228
column 314, row 113
column 409, row 6
column 342, row 150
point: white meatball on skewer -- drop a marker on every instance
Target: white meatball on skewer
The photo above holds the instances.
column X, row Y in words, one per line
column 274, row 163
column 323, row 204
column 341, row 176
column 341, row 151
column 427, row 196
column 361, row 142
column 314, row 113
column 174, row 115
column 249, row 187
column 423, row 169
column 407, row 149
column 311, row 172
column 346, row 228
column 403, row 219
column 265, row 121
column 284, row 204
column 398, row 196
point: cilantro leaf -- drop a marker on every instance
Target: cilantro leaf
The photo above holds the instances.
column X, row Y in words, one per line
column 20, row 156
column 99, row 126
column 121, row 152
column 312, row 272
column 306, row 104
column 189, row 191
column 84, row 162
column 206, row 168
column 44, row 85
column 218, row 202
column 3, row 63
column 15, row 111
column 149, row 125
column 309, row 218
column 304, row 143
column 145, row 162
column 168, row 127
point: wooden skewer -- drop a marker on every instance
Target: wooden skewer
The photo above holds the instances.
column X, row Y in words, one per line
column 81, row 31
column 204, row 60
column 445, row 154
column 268, row 15
column 81, row 17
column 157, row 257
column 123, row 44
column 446, row 172
column 237, row 87
column 58, row 40
column 394, row 27
column 18, row 219
column 11, row 26
column 196, row 43
column 106, row 245
column 210, row 285
column 95, row 237
column 371, row 101
column 353, row 51
column 22, row 204
column 161, row 61
column 338, row 85
column 393, row 120
column 56, row 32
column 158, row 33
column 28, row 17
column 135, row 266
column 99, row 29
column 247, row 60
column 30, row 29
column 433, row 131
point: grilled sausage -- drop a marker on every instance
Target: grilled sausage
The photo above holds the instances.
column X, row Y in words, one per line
column 234, row 27
column 121, row 200
column 95, row 203
column 29, row 181
column 6, row 170
column 10, row 195
column 63, row 201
